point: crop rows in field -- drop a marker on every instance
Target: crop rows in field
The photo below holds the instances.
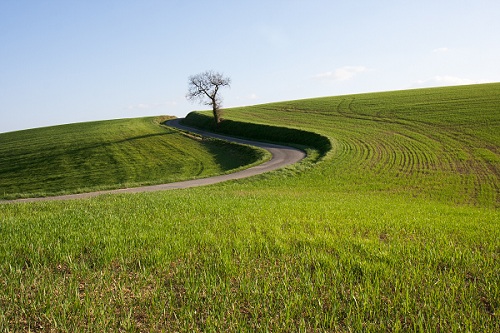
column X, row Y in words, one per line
column 438, row 142
column 418, row 152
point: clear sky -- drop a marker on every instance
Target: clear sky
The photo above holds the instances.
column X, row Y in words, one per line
column 65, row 61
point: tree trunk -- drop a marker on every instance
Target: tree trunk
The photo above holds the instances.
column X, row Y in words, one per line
column 216, row 113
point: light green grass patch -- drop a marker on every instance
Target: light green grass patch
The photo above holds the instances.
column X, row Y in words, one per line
column 239, row 258
column 487, row 155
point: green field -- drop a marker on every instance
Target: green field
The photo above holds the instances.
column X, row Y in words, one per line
column 113, row 154
column 395, row 228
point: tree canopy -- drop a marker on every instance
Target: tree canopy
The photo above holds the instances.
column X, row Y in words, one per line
column 204, row 88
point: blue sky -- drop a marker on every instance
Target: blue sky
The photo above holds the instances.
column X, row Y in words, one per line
column 72, row 61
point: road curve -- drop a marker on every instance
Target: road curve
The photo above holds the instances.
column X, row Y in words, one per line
column 281, row 156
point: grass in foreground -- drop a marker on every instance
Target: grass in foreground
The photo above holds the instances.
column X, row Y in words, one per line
column 108, row 154
column 240, row 258
column 369, row 239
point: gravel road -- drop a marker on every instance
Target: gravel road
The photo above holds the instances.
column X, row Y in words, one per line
column 281, row 156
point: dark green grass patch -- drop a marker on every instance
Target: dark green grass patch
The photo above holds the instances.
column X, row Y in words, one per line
column 260, row 132
column 109, row 154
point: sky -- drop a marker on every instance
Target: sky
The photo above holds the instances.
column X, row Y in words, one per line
column 65, row 61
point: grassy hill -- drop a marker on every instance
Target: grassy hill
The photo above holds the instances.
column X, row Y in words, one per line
column 108, row 154
column 441, row 143
column 394, row 228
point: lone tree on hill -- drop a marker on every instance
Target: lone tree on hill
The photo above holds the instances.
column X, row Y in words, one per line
column 204, row 87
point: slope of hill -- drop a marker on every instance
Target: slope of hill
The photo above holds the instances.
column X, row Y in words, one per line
column 395, row 228
column 108, row 154
column 441, row 143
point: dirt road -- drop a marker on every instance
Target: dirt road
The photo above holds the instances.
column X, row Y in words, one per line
column 281, row 156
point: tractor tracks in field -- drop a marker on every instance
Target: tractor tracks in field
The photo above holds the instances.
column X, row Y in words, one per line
column 281, row 157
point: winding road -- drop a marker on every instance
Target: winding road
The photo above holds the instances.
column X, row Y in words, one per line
column 281, row 156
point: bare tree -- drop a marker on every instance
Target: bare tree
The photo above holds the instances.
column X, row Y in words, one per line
column 204, row 87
